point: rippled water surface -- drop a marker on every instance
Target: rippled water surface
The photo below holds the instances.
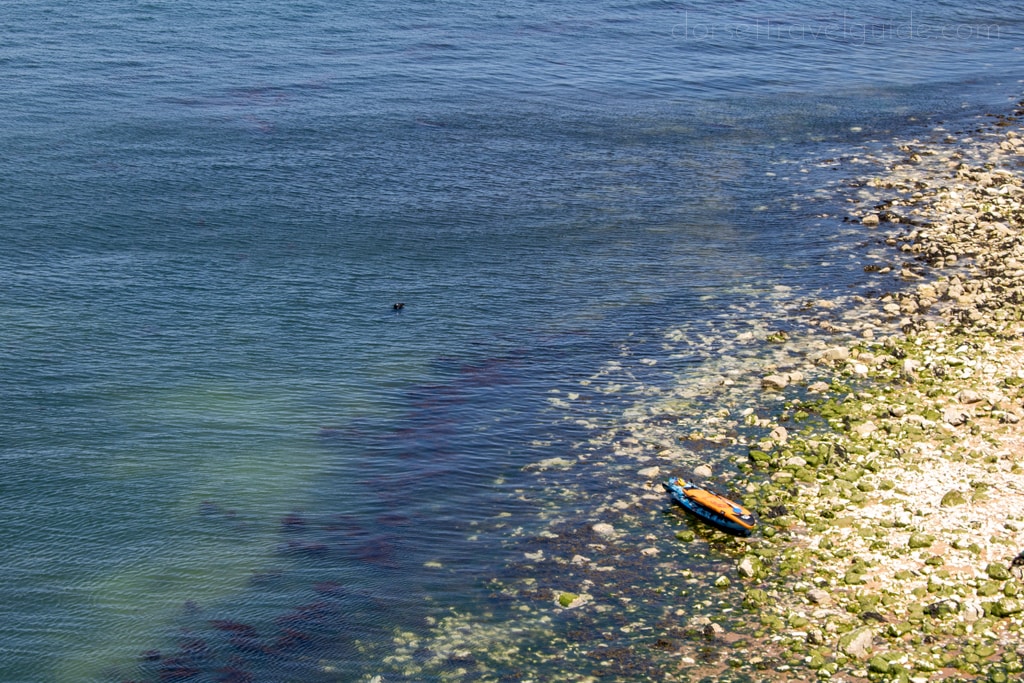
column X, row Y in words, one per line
column 224, row 455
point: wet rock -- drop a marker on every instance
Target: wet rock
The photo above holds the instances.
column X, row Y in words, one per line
column 774, row 382
column 649, row 472
column 755, row 598
column 713, row 631
column 549, row 464
column 702, row 472
column 566, row 599
column 795, row 462
column 871, row 220
column 836, row 354
column 604, row 530
column 749, row 567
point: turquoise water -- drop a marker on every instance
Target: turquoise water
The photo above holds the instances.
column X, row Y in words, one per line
column 223, row 452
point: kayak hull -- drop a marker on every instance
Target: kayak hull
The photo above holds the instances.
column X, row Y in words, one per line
column 716, row 510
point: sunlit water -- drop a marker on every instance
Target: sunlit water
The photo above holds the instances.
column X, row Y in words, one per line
column 223, row 452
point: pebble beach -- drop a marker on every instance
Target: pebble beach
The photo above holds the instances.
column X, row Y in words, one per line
column 877, row 437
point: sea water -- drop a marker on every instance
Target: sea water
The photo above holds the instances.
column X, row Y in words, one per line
column 225, row 455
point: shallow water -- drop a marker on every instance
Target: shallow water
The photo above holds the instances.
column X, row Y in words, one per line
column 213, row 419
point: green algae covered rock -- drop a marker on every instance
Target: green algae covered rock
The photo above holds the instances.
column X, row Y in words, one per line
column 566, row 599
column 920, row 540
column 952, row 499
column 755, row 598
column 879, row 665
column 997, row 572
column 1006, row 607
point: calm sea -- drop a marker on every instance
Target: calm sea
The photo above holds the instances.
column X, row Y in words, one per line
column 224, row 456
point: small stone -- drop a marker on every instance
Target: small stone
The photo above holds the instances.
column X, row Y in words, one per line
column 702, row 472
column 972, row 611
column 857, row 643
column 952, row 499
column 774, row 382
column 920, row 540
column 853, row 578
column 566, row 599
column 755, row 598
column 836, row 353
column 870, row 221
column 819, row 597
column 997, row 571
column 795, row 462
column 722, row 582
column 749, row 567
column 942, row 608
column 649, row 552
column 713, row 631
column 954, row 416
column 603, row 529
column 649, row 472
column 969, row 396
column 879, row 665
column 865, row 429
column 1006, row 607
column 686, row 535
column 818, row 388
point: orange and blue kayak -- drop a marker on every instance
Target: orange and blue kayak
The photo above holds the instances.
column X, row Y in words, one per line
column 714, row 509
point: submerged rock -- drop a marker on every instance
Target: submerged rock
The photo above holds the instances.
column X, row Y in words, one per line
column 566, row 599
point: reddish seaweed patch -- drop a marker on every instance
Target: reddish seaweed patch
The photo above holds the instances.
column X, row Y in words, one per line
column 233, row 627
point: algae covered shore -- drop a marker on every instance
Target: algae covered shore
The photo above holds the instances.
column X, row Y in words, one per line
column 878, row 437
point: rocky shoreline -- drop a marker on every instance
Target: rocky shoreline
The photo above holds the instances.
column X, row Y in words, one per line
column 879, row 438
column 897, row 476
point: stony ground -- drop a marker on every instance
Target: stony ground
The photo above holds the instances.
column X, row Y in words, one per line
column 898, row 476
